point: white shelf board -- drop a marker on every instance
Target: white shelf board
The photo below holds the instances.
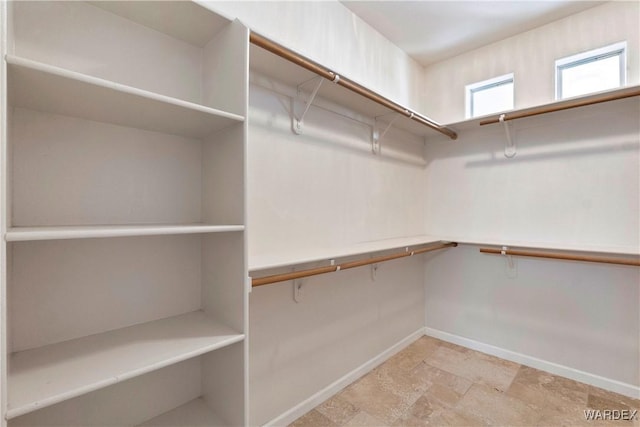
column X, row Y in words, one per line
column 17, row 234
column 51, row 374
column 277, row 260
column 43, row 87
column 474, row 123
column 515, row 244
column 184, row 20
column 192, row 414
column 272, row 66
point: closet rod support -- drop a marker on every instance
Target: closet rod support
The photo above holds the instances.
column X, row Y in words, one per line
column 510, row 147
column 377, row 135
column 509, row 257
column 297, row 290
column 298, row 121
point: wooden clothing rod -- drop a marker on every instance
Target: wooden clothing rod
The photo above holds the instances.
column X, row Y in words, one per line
column 314, row 67
column 558, row 255
column 572, row 103
column 259, row 281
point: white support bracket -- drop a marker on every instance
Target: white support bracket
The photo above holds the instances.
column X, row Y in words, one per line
column 297, row 122
column 509, row 257
column 297, row 290
column 510, row 146
column 374, row 272
column 510, row 267
column 376, row 135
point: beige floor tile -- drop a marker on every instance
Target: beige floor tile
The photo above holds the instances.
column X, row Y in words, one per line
column 474, row 366
column 569, row 417
column 432, row 383
column 555, row 409
column 603, row 403
column 413, row 355
column 313, row 418
column 432, row 375
column 528, row 393
column 494, row 360
column 616, row 398
column 494, row 407
column 604, row 399
column 451, row 417
column 611, row 423
column 426, row 345
column 561, row 401
column 363, row 419
column 548, row 386
column 426, row 412
column 338, row 410
column 419, row 413
column 371, row 396
column 442, row 395
column 622, row 415
column 402, row 383
column 446, row 344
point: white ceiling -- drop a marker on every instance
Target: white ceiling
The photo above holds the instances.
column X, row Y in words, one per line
column 431, row 31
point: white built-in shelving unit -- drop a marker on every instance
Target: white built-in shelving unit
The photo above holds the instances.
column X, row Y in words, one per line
column 123, row 185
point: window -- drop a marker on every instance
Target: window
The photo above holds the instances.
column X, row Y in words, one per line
column 592, row 71
column 490, row 96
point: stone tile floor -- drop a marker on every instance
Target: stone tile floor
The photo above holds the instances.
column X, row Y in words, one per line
column 434, row 383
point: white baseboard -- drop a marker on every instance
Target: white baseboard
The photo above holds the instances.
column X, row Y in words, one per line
column 553, row 368
column 306, row 405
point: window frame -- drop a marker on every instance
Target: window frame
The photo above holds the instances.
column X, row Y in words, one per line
column 473, row 88
column 616, row 49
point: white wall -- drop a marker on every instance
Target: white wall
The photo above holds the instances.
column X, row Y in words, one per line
column 583, row 316
column 531, row 56
column 575, row 182
column 325, row 189
column 344, row 320
column 330, row 34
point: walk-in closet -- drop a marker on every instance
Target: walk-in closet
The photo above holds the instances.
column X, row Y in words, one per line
column 331, row 213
